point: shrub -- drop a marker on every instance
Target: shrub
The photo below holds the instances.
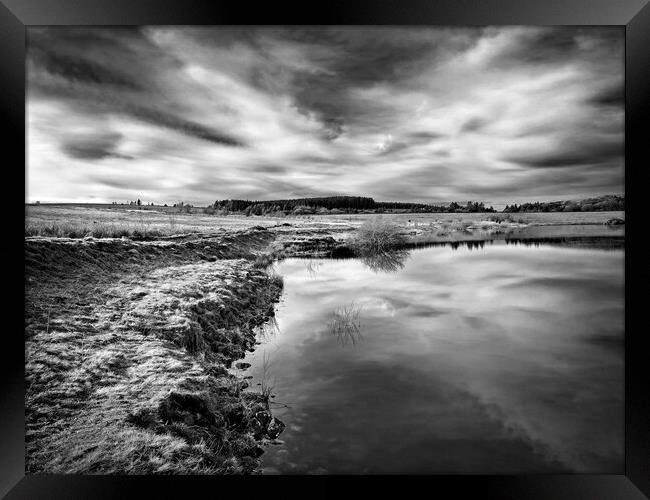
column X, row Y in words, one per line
column 304, row 210
column 377, row 235
column 500, row 218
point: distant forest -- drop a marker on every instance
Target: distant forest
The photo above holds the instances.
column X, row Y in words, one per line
column 361, row 204
column 340, row 204
column 600, row 204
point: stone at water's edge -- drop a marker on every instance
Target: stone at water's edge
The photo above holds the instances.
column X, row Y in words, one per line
column 275, row 428
column 264, row 424
column 264, row 418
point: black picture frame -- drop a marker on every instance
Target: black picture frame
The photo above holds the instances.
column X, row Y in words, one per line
column 16, row 15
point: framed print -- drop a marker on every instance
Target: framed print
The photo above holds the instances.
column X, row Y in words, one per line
column 373, row 242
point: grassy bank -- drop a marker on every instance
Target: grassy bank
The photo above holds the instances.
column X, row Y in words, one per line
column 127, row 349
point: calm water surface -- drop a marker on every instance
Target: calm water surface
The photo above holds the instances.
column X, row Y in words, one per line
column 503, row 359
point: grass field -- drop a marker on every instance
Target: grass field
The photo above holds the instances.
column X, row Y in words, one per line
column 78, row 221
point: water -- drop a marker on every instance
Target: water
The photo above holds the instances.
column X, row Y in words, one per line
column 505, row 359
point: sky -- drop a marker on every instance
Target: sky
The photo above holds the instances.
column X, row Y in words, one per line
column 423, row 114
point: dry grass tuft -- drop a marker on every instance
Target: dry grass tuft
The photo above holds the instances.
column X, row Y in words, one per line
column 266, row 385
column 345, row 324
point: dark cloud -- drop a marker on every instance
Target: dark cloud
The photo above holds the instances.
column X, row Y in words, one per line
column 548, row 46
column 474, row 124
column 365, row 57
column 426, row 136
column 539, row 183
column 371, row 55
column 99, row 103
column 130, row 184
column 573, row 155
column 111, row 56
column 272, row 169
column 84, row 71
column 111, row 71
column 613, row 96
column 333, row 128
column 187, row 127
column 408, row 142
column 94, row 147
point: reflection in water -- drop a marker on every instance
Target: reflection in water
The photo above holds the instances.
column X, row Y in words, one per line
column 387, row 262
column 265, row 332
column 266, row 383
column 503, row 360
column 470, row 245
column 602, row 243
column 613, row 243
column 345, row 324
column 312, row 267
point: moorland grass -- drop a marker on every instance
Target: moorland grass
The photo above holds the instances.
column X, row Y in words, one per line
column 94, row 230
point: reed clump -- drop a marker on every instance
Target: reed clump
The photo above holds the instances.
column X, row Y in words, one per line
column 345, row 324
column 377, row 235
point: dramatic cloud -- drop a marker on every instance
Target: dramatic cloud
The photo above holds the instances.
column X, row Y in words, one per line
column 426, row 114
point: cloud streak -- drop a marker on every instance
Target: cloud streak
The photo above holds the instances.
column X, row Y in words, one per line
column 424, row 114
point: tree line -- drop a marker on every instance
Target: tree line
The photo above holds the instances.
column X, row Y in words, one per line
column 599, row 204
column 339, row 204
